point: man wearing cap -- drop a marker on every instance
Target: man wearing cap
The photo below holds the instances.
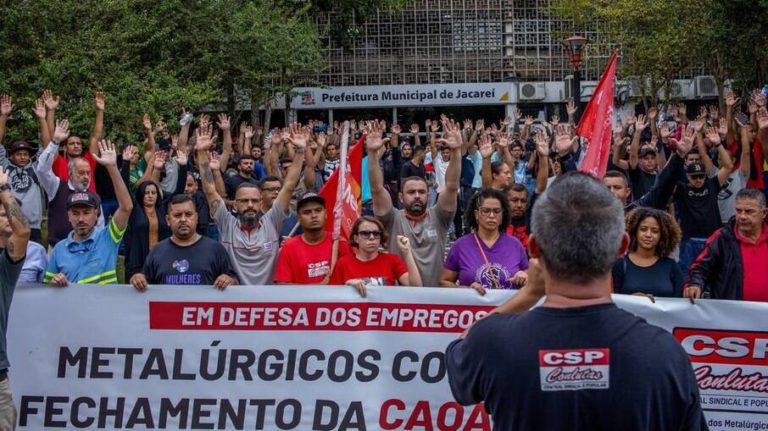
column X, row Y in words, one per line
column 308, row 258
column 697, row 205
column 25, row 187
column 252, row 241
column 89, row 254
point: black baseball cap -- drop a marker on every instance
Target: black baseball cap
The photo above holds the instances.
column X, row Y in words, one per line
column 310, row 197
column 88, row 199
column 647, row 150
column 695, row 168
column 22, row 145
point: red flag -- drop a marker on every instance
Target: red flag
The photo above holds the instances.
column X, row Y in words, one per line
column 596, row 123
column 350, row 202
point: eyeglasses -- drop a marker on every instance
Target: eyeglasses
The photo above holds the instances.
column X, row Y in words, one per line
column 488, row 211
column 697, row 176
column 370, row 234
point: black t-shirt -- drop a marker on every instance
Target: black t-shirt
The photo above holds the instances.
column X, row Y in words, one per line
column 233, row 182
column 640, row 181
column 586, row 368
column 411, row 170
column 663, row 279
column 699, row 213
column 200, row 263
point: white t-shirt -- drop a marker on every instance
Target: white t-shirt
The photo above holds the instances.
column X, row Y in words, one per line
column 726, row 199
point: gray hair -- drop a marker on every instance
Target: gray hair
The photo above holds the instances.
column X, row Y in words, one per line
column 578, row 225
column 750, row 193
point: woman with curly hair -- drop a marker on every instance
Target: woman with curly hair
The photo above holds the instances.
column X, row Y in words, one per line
column 487, row 258
column 647, row 269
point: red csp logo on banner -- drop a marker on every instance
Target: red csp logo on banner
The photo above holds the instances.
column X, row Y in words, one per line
column 724, row 347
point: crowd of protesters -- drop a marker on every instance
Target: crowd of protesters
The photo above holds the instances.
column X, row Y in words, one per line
column 449, row 207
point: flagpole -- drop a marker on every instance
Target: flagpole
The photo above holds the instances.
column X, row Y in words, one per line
column 338, row 212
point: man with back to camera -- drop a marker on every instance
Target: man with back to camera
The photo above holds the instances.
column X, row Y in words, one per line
column 578, row 362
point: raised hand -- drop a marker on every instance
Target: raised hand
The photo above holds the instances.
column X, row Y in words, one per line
column 174, row 141
column 713, row 136
column 182, row 158
column 185, row 118
column 203, row 137
column 714, row 113
column 542, row 146
column 664, row 130
column 640, row 123
column 205, row 120
column 468, row 124
column 434, row 127
column 146, row 122
column 570, row 108
column 653, row 113
column 731, row 100
column 682, row 110
column 480, row 125
column 452, row 136
column 223, row 122
column 759, row 98
column 507, row 121
column 6, row 105
column 107, row 154
column 502, row 140
column 160, row 158
column 554, row 120
column 249, row 132
column 214, row 161
column 160, row 126
column 4, row 175
column 299, row 135
column 563, row 140
column 528, row 120
column 39, row 109
column 51, row 103
column 129, row 152
column 684, row 145
column 404, row 244
column 61, row 133
column 99, row 100
column 485, row 146
column 762, row 119
column 723, row 127
column 414, row 129
column 374, row 140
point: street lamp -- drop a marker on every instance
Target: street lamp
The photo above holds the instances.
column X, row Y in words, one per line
column 574, row 47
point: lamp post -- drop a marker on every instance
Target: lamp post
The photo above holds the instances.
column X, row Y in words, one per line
column 574, row 47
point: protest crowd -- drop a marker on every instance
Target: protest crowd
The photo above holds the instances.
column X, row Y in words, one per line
column 444, row 204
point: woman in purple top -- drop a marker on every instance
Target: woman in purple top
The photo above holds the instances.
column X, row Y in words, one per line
column 487, row 258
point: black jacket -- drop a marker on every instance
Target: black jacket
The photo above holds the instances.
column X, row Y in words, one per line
column 719, row 269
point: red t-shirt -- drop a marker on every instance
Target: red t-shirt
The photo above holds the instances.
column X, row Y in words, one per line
column 754, row 270
column 61, row 169
column 384, row 270
column 303, row 263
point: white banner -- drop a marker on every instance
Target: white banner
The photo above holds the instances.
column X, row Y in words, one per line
column 301, row 358
column 380, row 96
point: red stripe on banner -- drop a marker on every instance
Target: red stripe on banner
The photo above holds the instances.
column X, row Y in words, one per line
column 724, row 347
column 326, row 316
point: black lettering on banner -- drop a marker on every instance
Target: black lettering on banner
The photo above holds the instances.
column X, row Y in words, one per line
column 244, row 365
column 141, row 414
column 51, row 411
column 74, row 413
column 79, row 359
column 355, row 411
column 304, row 372
column 235, row 416
column 177, row 363
column 155, row 365
column 368, row 365
column 347, row 366
column 290, row 365
column 320, row 410
column 398, row 364
column 168, row 409
column 97, row 362
column 280, row 412
column 261, row 409
column 25, row 410
column 426, row 365
column 105, row 412
column 221, row 363
column 198, row 414
column 276, row 368
column 129, row 353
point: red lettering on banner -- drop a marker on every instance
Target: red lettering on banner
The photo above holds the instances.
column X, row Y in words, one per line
column 732, row 381
column 259, row 316
column 393, row 412
column 724, row 347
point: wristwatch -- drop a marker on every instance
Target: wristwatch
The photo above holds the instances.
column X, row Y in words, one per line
column 5, row 187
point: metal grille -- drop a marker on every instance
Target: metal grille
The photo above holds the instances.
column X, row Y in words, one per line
column 457, row 41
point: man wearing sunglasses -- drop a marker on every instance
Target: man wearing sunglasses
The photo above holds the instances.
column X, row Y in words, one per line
column 697, row 199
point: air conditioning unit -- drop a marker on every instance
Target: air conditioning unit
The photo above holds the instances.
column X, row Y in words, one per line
column 587, row 91
column 678, row 89
column 528, row 91
column 568, row 87
column 705, row 87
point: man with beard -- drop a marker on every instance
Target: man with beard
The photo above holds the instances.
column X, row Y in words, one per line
column 427, row 229
column 517, row 194
column 58, row 190
column 244, row 176
column 308, row 258
column 89, row 254
column 251, row 241
column 73, row 146
column 186, row 258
